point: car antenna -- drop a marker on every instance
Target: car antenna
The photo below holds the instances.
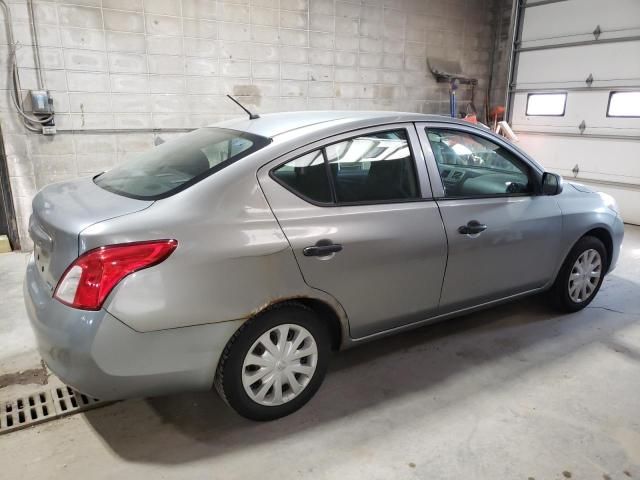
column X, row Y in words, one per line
column 252, row 116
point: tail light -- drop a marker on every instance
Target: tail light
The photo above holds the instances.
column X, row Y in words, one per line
column 88, row 281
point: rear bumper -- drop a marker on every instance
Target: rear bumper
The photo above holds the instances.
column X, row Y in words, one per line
column 99, row 355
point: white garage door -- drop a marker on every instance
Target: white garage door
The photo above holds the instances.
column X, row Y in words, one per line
column 575, row 92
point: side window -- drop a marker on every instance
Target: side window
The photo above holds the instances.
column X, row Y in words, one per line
column 376, row 167
column 471, row 166
column 373, row 167
column 306, row 176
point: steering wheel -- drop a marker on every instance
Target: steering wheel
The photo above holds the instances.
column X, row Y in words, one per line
column 515, row 187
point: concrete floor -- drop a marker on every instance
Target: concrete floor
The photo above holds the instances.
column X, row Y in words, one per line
column 17, row 340
column 20, row 364
column 516, row 392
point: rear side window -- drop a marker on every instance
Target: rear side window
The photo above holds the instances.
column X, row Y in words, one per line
column 178, row 164
column 373, row 168
column 307, row 176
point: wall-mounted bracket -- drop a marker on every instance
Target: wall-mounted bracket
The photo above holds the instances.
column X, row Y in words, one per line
column 451, row 72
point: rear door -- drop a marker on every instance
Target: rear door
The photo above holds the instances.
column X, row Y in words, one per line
column 504, row 239
column 359, row 215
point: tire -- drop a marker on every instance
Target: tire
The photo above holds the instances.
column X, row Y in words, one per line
column 570, row 297
column 260, row 336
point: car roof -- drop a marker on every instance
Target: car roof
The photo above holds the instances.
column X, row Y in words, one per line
column 273, row 124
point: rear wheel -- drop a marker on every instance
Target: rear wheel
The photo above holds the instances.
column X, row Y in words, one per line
column 275, row 363
column 581, row 275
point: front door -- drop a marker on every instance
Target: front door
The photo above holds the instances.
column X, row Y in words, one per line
column 358, row 213
column 504, row 238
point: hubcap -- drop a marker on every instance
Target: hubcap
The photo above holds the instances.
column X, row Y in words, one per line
column 585, row 275
column 279, row 365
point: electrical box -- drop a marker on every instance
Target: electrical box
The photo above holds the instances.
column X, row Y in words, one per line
column 41, row 102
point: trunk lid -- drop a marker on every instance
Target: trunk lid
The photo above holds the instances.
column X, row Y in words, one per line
column 61, row 211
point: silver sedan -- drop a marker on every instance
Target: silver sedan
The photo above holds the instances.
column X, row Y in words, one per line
column 240, row 255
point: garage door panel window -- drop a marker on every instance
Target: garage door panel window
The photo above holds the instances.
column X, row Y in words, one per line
column 373, row 168
column 471, row 166
column 546, row 104
column 624, row 104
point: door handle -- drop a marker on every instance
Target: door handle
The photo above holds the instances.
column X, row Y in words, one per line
column 474, row 227
column 322, row 248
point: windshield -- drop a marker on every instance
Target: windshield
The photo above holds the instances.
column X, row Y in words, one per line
column 178, row 164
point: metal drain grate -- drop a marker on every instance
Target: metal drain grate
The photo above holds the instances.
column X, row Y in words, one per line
column 67, row 399
column 43, row 406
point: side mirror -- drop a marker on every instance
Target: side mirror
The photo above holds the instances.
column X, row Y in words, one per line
column 552, row 183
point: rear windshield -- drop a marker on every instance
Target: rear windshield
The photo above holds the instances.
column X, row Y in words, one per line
column 178, row 164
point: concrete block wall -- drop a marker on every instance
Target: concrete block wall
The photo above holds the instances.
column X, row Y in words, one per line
column 167, row 64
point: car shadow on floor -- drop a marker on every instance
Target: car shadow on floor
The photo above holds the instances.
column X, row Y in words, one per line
column 487, row 349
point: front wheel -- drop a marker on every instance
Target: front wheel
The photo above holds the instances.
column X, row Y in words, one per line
column 581, row 275
column 275, row 363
